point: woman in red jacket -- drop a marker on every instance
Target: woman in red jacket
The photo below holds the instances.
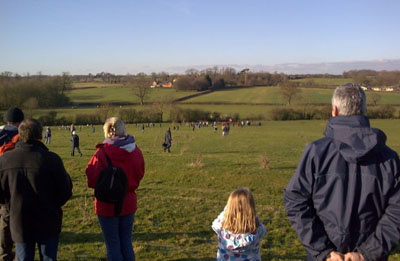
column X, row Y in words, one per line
column 123, row 152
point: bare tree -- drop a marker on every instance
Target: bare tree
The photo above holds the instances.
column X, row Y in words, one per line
column 289, row 90
column 140, row 87
column 375, row 98
column 161, row 105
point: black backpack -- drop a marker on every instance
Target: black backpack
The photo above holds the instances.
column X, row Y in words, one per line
column 112, row 186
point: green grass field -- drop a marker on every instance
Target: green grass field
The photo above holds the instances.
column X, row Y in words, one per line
column 182, row 192
column 272, row 95
column 121, row 94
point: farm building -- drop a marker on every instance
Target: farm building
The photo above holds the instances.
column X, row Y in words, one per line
column 160, row 84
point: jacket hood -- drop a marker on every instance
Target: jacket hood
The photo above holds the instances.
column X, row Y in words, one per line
column 124, row 142
column 353, row 137
column 118, row 148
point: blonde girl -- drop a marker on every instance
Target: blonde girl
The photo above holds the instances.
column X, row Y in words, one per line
column 238, row 228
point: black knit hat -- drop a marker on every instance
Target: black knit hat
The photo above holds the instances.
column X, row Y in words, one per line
column 14, row 114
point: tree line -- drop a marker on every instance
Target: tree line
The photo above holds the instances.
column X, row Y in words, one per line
column 31, row 92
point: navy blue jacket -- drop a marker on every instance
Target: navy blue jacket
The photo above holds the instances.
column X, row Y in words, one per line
column 75, row 140
column 345, row 193
column 7, row 133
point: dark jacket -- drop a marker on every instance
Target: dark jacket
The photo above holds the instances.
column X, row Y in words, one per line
column 168, row 137
column 75, row 140
column 34, row 184
column 345, row 193
column 7, row 132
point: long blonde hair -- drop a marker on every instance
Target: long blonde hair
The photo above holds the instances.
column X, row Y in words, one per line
column 240, row 212
column 114, row 127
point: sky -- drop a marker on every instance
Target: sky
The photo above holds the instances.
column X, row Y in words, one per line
column 131, row 36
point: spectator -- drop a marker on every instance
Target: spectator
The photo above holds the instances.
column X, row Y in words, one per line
column 344, row 198
column 167, row 140
column 8, row 139
column 238, row 228
column 75, row 144
column 35, row 210
column 123, row 153
column 72, row 128
column 47, row 136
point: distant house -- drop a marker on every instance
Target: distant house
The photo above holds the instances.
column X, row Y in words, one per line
column 365, row 88
column 160, row 84
column 390, row 88
column 385, row 88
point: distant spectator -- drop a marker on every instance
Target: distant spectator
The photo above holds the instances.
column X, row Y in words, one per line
column 8, row 139
column 238, row 228
column 121, row 149
column 225, row 130
column 47, row 136
column 75, row 144
column 167, row 140
column 34, row 184
column 72, row 128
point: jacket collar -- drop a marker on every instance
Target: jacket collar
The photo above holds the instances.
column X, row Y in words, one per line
column 31, row 144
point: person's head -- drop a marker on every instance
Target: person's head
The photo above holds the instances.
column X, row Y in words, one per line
column 30, row 130
column 240, row 213
column 14, row 116
column 114, row 127
column 349, row 99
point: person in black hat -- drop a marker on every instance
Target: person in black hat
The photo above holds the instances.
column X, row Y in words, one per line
column 8, row 138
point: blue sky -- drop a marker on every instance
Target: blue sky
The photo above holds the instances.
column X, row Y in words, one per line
column 90, row 36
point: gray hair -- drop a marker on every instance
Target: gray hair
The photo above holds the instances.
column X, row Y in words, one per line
column 349, row 99
column 30, row 130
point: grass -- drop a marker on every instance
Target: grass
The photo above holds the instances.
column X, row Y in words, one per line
column 183, row 191
column 121, row 94
column 271, row 95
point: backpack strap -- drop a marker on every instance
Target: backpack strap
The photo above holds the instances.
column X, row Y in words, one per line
column 108, row 160
column 117, row 205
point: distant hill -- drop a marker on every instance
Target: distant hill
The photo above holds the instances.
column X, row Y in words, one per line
column 305, row 68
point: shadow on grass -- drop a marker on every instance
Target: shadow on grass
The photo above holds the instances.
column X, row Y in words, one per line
column 67, row 238
column 194, row 259
column 282, row 257
column 148, row 236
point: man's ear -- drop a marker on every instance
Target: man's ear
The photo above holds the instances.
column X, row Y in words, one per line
column 334, row 111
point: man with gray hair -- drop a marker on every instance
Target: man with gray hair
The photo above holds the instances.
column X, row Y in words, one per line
column 344, row 198
column 34, row 185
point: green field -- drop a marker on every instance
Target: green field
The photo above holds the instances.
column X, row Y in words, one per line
column 121, row 94
column 182, row 192
column 272, row 95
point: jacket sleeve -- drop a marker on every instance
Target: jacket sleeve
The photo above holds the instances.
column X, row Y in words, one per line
column 139, row 169
column 63, row 182
column 94, row 168
column 217, row 223
column 387, row 232
column 300, row 209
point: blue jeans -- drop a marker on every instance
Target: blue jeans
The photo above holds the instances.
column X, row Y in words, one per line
column 47, row 250
column 117, row 233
